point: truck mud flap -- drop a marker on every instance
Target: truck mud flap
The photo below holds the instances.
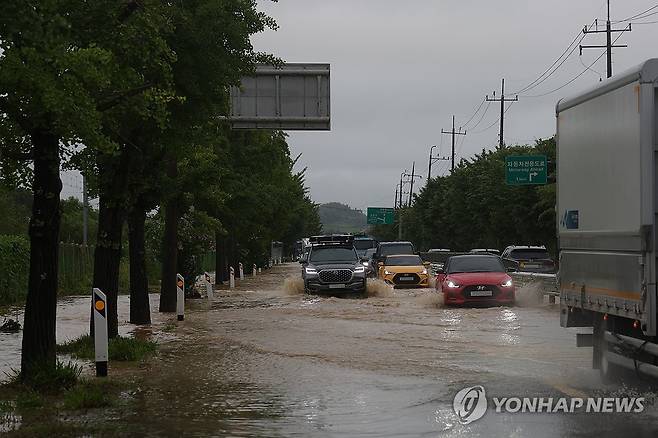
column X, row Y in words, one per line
column 631, row 349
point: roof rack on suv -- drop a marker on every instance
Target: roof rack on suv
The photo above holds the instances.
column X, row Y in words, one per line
column 332, row 239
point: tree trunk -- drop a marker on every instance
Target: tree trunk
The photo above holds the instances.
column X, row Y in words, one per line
column 220, row 259
column 41, row 305
column 111, row 216
column 140, row 309
column 169, row 258
column 107, row 258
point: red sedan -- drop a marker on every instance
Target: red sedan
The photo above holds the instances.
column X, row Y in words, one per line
column 475, row 279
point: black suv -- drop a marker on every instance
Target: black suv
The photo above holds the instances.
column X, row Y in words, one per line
column 332, row 265
column 390, row 248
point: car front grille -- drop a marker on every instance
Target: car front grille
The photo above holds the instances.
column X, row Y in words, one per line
column 471, row 291
column 335, row 275
column 406, row 279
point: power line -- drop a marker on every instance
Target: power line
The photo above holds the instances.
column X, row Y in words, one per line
column 572, row 47
column 637, row 16
column 474, row 114
column 576, row 77
column 482, row 117
column 494, row 123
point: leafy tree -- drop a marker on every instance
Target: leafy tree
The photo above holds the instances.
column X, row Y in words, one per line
column 474, row 207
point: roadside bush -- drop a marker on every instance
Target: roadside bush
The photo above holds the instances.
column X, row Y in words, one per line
column 119, row 349
column 88, row 395
column 46, row 379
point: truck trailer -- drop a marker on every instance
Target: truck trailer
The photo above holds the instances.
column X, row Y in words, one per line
column 607, row 207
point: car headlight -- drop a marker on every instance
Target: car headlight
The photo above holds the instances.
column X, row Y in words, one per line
column 359, row 269
column 451, row 284
column 366, row 264
column 424, row 271
column 508, row 283
column 311, row 271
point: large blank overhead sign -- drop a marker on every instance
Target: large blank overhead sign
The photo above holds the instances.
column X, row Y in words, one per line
column 291, row 97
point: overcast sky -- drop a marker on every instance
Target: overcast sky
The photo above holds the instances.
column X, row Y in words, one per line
column 400, row 69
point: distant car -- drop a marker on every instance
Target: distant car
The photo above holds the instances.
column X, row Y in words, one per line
column 530, row 258
column 439, row 250
column 363, row 244
column 393, row 248
column 404, row 270
column 371, row 269
column 332, row 265
column 485, row 251
column 475, row 279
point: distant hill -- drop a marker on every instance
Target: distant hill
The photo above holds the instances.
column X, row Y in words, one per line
column 341, row 218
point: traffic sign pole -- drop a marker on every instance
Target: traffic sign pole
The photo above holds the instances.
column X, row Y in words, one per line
column 99, row 303
column 180, row 297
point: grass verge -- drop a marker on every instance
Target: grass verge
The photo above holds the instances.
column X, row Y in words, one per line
column 119, row 349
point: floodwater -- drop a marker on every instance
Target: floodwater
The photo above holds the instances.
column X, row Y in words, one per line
column 267, row 360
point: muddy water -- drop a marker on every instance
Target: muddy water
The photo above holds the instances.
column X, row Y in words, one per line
column 268, row 360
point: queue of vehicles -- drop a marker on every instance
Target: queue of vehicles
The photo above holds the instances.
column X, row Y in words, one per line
column 342, row 263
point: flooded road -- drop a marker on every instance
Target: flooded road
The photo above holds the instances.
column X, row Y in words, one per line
column 266, row 360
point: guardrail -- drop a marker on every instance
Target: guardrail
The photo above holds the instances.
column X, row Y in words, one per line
column 546, row 283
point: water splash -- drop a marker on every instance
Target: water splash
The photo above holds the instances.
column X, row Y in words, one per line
column 530, row 295
column 293, row 285
column 378, row 288
column 431, row 300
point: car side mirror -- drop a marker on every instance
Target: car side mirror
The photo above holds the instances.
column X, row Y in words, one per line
column 512, row 269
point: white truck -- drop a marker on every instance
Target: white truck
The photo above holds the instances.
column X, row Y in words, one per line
column 607, row 218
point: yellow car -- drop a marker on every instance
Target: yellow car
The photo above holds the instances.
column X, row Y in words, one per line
column 404, row 270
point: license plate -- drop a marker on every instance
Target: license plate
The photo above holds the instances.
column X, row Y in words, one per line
column 531, row 265
column 336, row 286
column 406, row 278
column 481, row 293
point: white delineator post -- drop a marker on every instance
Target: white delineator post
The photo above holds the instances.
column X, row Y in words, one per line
column 231, row 278
column 241, row 271
column 259, row 270
column 180, row 297
column 209, row 291
column 99, row 302
column 253, row 270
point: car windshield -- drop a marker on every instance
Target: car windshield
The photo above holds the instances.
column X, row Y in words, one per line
column 529, row 254
column 404, row 260
column 397, row 248
column 475, row 264
column 323, row 255
column 362, row 244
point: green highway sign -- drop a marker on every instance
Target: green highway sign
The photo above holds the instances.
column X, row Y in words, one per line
column 526, row 169
column 381, row 216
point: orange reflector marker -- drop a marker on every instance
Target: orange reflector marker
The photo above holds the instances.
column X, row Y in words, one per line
column 100, row 305
column 605, row 317
column 180, row 284
column 636, row 324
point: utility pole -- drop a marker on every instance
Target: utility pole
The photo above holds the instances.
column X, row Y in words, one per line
column 411, row 191
column 609, row 45
column 85, row 211
column 396, row 196
column 453, row 133
column 431, row 160
column 411, row 178
column 502, row 100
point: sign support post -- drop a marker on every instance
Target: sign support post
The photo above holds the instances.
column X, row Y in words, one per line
column 209, row 291
column 180, row 297
column 99, row 301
